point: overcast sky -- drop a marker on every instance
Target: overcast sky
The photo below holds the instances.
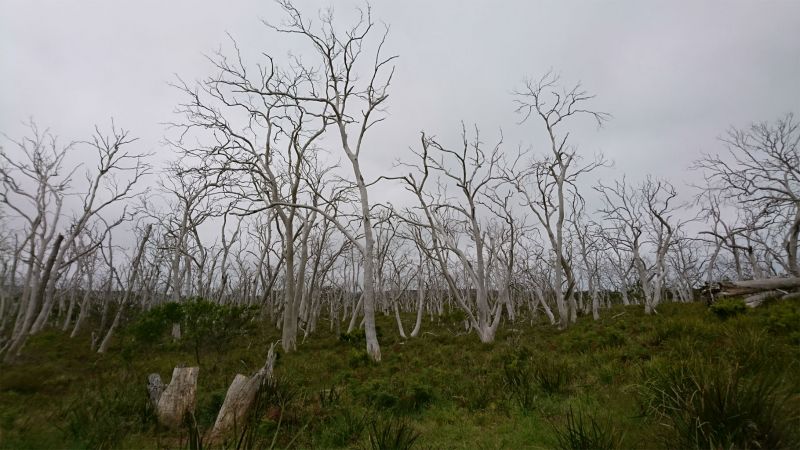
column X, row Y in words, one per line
column 674, row 75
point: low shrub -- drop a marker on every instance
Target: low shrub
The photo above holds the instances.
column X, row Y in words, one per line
column 727, row 308
column 402, row 396
column 358, row 357
column 204, row 324
column 479, row 391
column 415, row 398
column 357, row 338
column 783, row 318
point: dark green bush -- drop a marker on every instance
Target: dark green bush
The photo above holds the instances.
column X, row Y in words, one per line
column 358, row 357
column 784, row 318
column 728, row 308
column 401, row 396
column 357, row 338
column 204, row 324
column 415, row 397
column 207, row 324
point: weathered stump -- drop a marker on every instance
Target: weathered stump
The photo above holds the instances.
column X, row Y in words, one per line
column 174, row 401
column 239, row 400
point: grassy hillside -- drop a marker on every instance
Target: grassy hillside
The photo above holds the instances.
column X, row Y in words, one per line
column 686, row 377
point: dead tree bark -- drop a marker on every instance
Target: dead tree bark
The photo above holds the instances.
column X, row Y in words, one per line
column 173, row 402
column 16, row 344
column 240, row 399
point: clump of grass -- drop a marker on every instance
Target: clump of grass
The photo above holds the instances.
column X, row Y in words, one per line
column 783, row 318
column 104, row 415
column 415, row 397
column 391, row 435
column 344, row 428
column 525, row 375
column 705, row 406
column 585, row 432
column 553, row 375
column 477, row 392
column 329, row 398
column 520, row 384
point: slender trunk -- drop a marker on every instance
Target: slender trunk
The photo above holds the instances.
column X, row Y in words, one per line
column 420, row 305
column 791, row 243
column 70, row 310
column 84, row 306
column 399, row 322
column 355, row 314
column 131, row 281
column 16, row 344
column 542, row 301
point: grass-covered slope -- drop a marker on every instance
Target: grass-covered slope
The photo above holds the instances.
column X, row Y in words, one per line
column 684, row 378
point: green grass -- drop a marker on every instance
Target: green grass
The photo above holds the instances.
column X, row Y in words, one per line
column 534, row 387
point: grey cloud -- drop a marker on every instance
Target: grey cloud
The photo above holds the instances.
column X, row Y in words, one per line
column 673, row 74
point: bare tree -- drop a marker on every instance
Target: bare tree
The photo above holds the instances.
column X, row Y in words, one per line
column 761, row 171
column 474, row 173
column 643, row 219
column 333, row 93
column 547, row 183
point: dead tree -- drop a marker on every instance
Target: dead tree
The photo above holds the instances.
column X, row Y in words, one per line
column 239, row 400
column 760, row 172
column 643, row 219
column 474, row 172
column 176, row 400
column 282, row 104
column 129, row 288
column 547, row 183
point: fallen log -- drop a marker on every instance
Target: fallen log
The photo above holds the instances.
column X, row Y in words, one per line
column 756, row 300
column 239, row 400
column 175, row 400
column 743, row 287
column 791, row 296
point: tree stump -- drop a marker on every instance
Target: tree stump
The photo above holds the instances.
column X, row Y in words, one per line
column 239, row 400
column 155, row 387
column 177, row 399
